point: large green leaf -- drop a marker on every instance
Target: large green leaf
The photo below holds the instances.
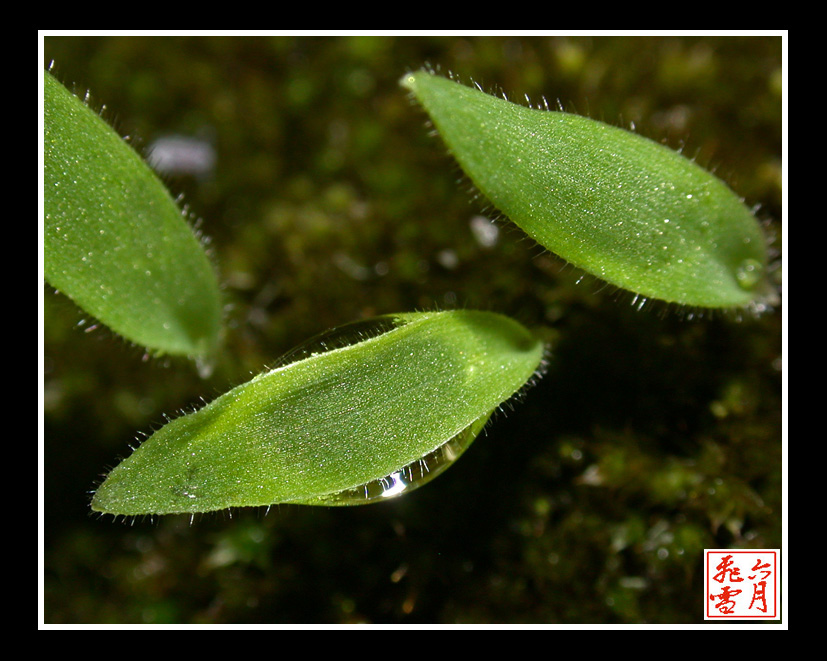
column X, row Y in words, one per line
column 115, row 241
column 615, row 204
column 363, row 414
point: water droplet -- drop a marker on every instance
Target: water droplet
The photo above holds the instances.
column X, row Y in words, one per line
column 410, row 477
column 339, row 337
column 749, row 273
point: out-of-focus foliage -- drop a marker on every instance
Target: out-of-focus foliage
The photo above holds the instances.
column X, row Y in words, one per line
column 652, row 436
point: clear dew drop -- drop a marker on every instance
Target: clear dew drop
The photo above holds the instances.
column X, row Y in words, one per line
column 406, row 479
column 749, row 274
column 339, row 337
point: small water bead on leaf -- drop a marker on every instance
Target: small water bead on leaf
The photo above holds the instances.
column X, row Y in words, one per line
column 750, row 273
column 598, row 196
column 343, row 426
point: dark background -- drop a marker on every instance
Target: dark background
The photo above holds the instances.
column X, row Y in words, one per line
column 655, row 434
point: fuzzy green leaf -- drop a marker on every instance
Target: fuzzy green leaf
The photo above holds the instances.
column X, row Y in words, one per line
column 115, row 241
column 615, row 204
column 363, row 414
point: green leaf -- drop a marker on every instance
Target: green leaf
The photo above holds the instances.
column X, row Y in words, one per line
column 115, row 241
column 619, row 206
column 362, row 414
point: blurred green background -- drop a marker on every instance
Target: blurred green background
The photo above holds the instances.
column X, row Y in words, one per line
column 655, row 434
